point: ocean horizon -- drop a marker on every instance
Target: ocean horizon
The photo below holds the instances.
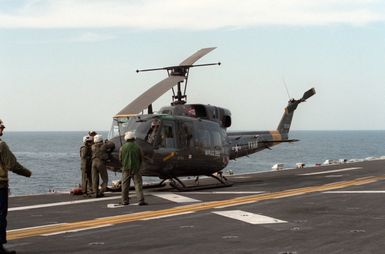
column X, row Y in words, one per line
column 53, row 156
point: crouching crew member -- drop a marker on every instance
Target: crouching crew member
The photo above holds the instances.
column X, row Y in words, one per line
column 8, row 162
column 131, row 157
column 100, row 151
column 86, row 165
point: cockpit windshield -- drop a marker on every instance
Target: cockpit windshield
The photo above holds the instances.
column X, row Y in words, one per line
column 140, row 125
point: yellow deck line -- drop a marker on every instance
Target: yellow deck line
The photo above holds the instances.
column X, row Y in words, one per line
column 49, row 229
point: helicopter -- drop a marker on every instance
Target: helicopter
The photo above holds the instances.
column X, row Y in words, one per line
column 189, row 140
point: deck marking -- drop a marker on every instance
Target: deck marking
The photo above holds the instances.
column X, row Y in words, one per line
column 37, row 227
column 247, row 217
column 196, row 207
column 225, row 192
column 230, row 205
column 166, row 216
column 77, row 230
column 330, row 171
column 333, row 176
column 113, row 206
column 21, row 208
column 175, row 197
column 354, row 192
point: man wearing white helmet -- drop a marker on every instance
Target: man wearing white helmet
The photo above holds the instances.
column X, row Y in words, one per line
column 8, row 162
column 131, row 158
column 86, row 164
column 92, row 134
column 100, row 151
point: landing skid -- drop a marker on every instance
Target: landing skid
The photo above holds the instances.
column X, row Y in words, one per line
column 177, row 184
column 145, row 186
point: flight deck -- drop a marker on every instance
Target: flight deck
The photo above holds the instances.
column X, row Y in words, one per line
column 327, row 209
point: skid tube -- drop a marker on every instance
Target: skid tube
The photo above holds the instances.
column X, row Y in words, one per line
column 177, row 184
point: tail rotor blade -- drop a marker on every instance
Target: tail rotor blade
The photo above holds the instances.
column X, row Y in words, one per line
column 308, row 94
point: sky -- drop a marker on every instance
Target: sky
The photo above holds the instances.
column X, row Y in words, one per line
column 69, row 65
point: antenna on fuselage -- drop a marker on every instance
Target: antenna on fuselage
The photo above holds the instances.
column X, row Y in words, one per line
column 287, row 90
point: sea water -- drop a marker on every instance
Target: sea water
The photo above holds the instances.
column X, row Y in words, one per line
column 53, row 157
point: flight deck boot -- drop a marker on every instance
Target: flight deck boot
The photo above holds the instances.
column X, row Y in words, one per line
column 5, row 251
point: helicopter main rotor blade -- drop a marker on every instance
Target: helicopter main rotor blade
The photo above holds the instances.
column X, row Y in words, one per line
column 196, row 56
column 143, row 101
column 148, row 97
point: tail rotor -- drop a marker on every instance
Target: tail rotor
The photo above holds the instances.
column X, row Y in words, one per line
column 285, row 123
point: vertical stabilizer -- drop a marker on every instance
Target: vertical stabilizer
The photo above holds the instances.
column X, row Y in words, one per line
column 285, row 123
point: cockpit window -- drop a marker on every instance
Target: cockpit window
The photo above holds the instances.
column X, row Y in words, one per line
column 138, row 125
column 167, row 136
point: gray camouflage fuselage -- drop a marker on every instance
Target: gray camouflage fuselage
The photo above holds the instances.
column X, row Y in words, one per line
column 188, row 143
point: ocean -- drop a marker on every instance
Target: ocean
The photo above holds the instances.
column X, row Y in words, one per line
column 53, row 157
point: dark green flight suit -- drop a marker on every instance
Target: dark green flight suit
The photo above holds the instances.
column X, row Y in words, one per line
column 100, row 152
column 131, row 157
column 8, row 162
column 85, row 167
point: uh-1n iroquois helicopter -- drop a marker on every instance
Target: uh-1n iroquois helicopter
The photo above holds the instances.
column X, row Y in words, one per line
column 189, row 139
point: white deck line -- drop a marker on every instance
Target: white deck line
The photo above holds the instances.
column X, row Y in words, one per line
column 77, row 230
column 175, row 197
column 224, row 192
column 250, row 218
column 330, row 171
column 355, row 192
column 42, row 226
column 21, row 208
column 231, row 205
column 166, row 216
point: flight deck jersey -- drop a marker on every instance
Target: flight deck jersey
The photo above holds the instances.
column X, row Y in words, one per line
column 85, row 157
column 131, row 157
column 8, row 162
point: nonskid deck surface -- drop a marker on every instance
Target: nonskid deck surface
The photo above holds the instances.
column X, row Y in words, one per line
column 328, row 209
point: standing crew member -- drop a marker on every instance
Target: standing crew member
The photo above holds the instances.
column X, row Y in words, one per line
column 86, row 164
column 100, row 152
column 150, row 137
column 131, row 157
column 8, row 162
column 92, row 134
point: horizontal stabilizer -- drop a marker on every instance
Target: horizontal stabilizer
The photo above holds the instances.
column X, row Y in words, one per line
column 278, row 141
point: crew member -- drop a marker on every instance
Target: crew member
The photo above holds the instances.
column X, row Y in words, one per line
column 92, row 134
column 150, row 137
column 86, row 164
column 131, row 157
column 8, row 162
column 100, row 151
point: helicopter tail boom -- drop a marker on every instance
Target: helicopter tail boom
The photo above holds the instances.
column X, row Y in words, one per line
column 246, row 143
column 285, row 123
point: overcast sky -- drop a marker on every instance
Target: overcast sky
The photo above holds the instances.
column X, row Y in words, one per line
column 70, row 64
